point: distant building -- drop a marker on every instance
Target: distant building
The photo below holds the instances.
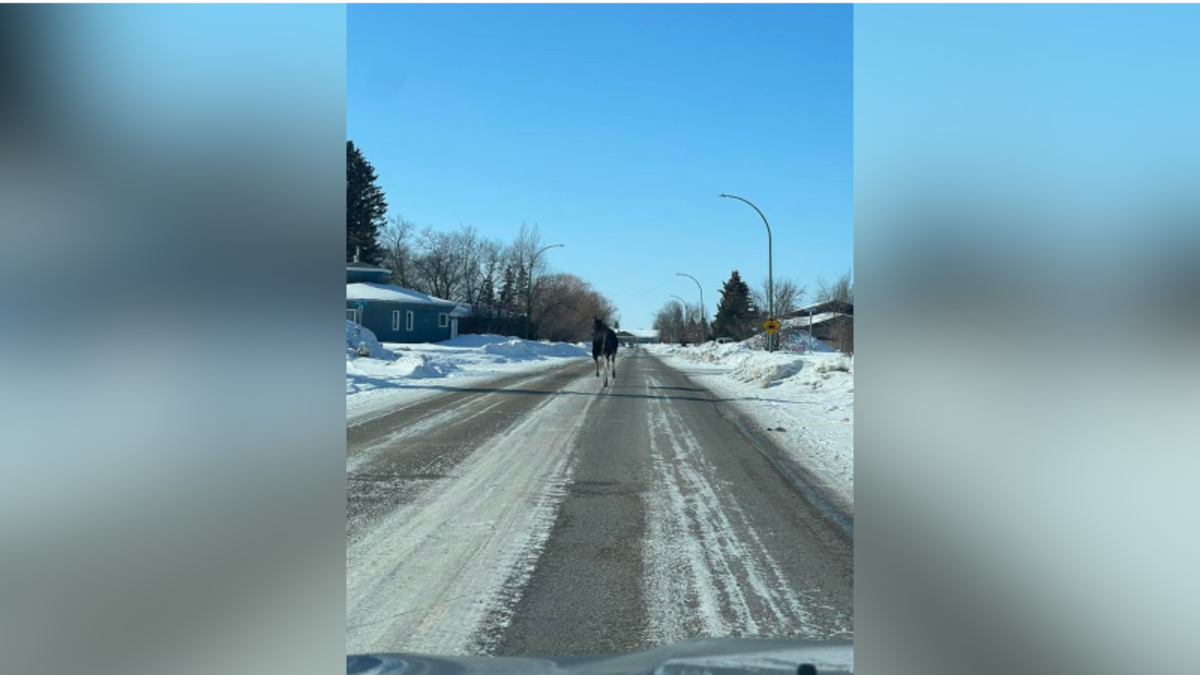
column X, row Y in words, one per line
column 829, row 306
column 396, row 314
column 832, row 322
column 638, row 336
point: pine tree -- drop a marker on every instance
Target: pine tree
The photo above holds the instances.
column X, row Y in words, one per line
column 508, row 290
column 735, row 313
column 365, row 207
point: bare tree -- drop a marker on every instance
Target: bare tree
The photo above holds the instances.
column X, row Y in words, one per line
column 841, row 289
column 467, row 250
column 526, row 245
column 679, row 322
column 669, row 321
column 397, row 251
column 491, row 271
column 493, row 278
column 439, row 268
column 788, row 294
column 565, row 306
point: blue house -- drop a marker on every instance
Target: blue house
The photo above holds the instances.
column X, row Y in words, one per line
column 396, row 314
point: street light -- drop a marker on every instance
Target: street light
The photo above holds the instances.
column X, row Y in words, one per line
column 675, row 338
column 529, row 295
column 770, row 267
column 703, row 339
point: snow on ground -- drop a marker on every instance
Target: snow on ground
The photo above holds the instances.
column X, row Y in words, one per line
column 491, row 523
column 806, row 400
column 395, row 372
column 362, row 341
column 793, row 337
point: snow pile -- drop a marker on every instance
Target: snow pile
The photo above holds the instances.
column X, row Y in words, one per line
column 422, row 366
column 406, row 370
column 793, row 337
column 515, row 349
column 765, row 369
column 843, row 365
column 665, row 349
column 361, row 341
column 743, row 364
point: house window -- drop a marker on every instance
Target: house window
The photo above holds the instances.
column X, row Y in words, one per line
column 396, row 319
column 351, row 315
column 408, row 321
column 443, row 320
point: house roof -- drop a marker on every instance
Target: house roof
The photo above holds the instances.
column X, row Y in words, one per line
column 837, row 306
column 803, row 321
column 388, row 293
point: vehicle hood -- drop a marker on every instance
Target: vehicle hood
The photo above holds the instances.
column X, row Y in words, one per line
column 725, row 656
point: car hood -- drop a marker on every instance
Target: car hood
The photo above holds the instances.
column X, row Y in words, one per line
column 725, row 656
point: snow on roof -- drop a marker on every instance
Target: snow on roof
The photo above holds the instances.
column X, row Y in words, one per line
column 823, row 303
column 815, row 319
column 641, row 332
column 388, row 293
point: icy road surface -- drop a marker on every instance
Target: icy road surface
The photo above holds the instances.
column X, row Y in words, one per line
column 541, row 515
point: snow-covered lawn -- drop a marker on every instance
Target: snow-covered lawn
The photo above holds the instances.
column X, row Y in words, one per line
column 807, row 401
column 396, row 372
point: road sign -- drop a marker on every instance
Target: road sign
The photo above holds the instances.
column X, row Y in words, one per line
column 771, row 325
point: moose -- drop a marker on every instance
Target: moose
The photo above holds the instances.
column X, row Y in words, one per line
column 604, row 346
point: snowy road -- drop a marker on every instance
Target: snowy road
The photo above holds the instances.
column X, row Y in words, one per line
column 539, row 515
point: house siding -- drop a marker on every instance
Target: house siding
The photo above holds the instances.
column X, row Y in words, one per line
column 377, row 316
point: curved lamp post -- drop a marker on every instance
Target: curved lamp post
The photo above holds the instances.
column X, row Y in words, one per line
column 703, row 339
column 770, row 266
column 675, row 338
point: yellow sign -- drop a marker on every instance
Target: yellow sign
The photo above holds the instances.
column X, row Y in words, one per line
column 771, row 325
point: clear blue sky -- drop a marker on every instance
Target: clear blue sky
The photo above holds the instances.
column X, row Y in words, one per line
column 614, row 128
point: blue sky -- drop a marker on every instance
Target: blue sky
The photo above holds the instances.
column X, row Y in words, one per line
column 614, row 128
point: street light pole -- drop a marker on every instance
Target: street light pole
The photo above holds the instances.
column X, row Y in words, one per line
column 675, row 338
column 529, row 294
column 703, row 338
column 770, row 266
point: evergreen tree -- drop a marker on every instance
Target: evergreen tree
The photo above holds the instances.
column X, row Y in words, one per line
column 365, row 207
column 508, row 289
column 735, row 312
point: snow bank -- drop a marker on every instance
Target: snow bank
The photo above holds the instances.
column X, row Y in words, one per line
column 515, row 349
column 742, row 363
column 396, row 370
column 421, row 366
column 793, row 337
column 361, row 341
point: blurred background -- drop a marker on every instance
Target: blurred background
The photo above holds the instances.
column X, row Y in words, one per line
column 1027, row 240
column 171, row 204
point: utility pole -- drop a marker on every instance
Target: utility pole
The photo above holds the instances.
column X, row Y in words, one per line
column 770, row 267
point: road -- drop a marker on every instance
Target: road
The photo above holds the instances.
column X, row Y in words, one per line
column 542, row 515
